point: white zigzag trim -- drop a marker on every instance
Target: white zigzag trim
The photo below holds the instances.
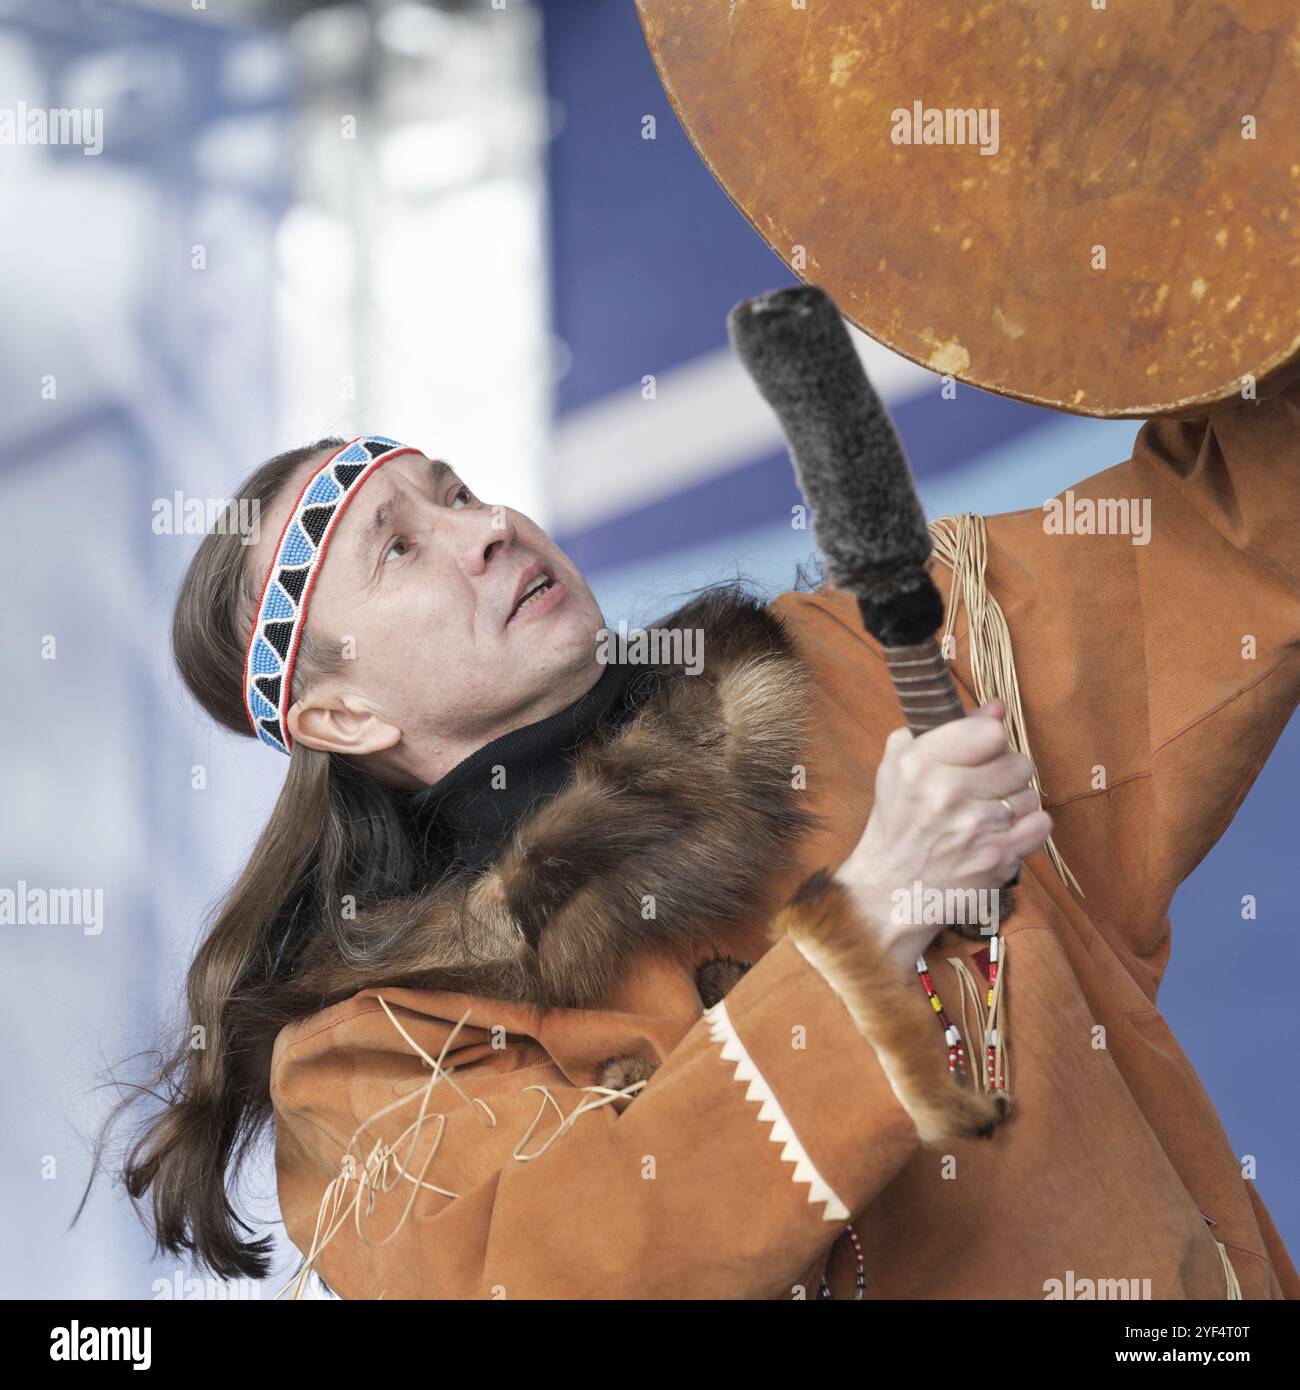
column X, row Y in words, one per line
column 722, row 1030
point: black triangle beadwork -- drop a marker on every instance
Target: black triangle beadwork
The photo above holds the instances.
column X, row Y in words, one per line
column 278, row 634
column 314, row 521
column 293, row 582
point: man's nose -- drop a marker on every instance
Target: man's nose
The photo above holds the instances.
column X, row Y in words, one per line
column 486, row 535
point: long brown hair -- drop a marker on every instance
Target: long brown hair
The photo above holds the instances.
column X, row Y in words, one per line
column 336, row 863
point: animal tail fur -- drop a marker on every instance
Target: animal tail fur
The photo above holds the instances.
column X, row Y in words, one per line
column 887, row 1008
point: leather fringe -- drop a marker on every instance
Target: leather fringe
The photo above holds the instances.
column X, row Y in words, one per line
column 961, row 542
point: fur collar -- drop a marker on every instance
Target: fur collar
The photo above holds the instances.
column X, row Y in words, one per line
column 670, row 831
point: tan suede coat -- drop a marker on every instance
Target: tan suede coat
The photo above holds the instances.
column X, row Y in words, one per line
column 774, row 1118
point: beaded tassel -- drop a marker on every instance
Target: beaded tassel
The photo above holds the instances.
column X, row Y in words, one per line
column 956, row 1051
column 860, row 1281
column 996, row 1080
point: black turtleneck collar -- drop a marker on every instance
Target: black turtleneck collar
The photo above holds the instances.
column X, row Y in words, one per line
column 476, row 808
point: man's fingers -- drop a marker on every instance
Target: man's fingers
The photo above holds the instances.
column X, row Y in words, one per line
column 899, row 739
column 1025, row 837
column 1023, row 802
column 999, row 813
column 968, row 742
column 1000, row 776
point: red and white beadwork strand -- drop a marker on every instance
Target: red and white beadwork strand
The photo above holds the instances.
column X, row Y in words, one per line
column 996, row 1081
column 956, row 1051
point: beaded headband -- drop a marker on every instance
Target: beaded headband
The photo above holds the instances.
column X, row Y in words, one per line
column 282, row 609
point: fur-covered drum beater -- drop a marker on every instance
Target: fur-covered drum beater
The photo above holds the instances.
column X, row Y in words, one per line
column 867, row 518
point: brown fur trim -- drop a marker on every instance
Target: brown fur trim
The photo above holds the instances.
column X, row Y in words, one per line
column 671, row 829
column 715, row 977
column 619, row 1072
column 883, row 1001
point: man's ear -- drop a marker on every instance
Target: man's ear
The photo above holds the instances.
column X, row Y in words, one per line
column 340, row 724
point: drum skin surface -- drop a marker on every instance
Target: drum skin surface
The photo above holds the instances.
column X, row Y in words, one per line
column 1129, row 245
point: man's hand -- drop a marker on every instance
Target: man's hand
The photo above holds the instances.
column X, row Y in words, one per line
column 939, row 820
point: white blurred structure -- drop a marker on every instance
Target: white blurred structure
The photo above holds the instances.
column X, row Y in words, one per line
column 411, row 288
column 332, row 227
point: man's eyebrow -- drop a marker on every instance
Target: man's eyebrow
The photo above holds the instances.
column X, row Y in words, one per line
column 439, row 471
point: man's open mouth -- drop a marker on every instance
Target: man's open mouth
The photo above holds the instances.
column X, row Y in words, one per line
column 532, row 592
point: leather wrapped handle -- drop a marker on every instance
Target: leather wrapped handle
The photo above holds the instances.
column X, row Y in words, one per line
column 924, row 684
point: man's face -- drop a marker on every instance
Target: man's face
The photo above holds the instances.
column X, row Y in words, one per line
column 425, row 580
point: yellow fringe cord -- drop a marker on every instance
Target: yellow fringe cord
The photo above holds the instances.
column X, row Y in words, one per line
column 972, row 993
column 1234, row 1287
column 602, row 1095
column 961, row 542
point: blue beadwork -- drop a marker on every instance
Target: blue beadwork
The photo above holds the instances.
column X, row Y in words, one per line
column 282, row 611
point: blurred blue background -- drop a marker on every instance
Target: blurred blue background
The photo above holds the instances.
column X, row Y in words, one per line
column 442, row 223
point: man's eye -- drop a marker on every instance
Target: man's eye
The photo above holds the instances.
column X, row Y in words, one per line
column 393, row 548
column 465, row 493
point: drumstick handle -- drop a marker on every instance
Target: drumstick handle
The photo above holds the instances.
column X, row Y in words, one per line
column 926, row 691
column 924, row 685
